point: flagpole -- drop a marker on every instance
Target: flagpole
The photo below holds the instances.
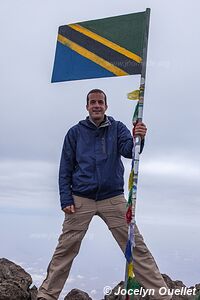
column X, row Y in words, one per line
column 133, row 181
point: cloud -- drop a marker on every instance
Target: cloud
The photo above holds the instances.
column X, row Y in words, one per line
column 43, row 236
column 28, row 184
column 175, row 172
column 94, row 278
column 93, row 292
column 37, row 278
column 168, row 190
column 80, row 276
column 172, row 167
column 71, row 279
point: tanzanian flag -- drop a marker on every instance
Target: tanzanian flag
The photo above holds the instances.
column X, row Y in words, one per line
column 107, row 47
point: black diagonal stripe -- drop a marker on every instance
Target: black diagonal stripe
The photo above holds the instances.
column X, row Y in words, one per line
column 117, row 59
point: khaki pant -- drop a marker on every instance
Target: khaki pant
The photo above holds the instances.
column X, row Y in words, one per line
column 112, row 211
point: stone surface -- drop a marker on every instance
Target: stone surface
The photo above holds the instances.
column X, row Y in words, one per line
column 112, row 296
column 14, row 281
column 33, row 293
column 77, row 294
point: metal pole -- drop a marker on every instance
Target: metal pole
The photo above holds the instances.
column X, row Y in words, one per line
column 137, row 143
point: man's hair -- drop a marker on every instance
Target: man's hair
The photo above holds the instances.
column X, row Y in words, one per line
column 97, row 91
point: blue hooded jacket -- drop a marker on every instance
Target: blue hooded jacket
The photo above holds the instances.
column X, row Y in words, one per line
column 91, row 163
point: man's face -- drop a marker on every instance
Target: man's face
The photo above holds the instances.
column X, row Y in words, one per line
column 96, row 107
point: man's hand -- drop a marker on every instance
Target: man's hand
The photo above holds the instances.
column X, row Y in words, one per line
column 139, row 129
column 69, row 209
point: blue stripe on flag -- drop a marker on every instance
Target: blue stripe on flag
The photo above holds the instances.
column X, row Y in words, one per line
column 69, row 65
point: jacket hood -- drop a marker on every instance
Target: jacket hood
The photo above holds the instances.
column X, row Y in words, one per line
column 89, row 124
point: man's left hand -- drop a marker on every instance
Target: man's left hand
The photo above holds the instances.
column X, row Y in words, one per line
column 139, row 129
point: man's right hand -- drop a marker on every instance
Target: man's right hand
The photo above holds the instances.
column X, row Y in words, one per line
column 69, row 209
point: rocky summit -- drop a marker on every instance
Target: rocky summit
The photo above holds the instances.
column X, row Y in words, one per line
column 15, row 284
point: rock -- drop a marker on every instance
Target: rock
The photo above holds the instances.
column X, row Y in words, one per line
column 112, row 296
column 12, row 291
column 77, row 294
column 14, row 281
column 33, row 293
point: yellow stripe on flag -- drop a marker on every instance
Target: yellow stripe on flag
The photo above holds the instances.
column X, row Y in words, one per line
column 91, row 56
column 106, row 42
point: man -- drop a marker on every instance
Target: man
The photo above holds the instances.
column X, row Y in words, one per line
column 91, row 183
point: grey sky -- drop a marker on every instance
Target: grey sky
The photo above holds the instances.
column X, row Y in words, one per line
column 36, row 114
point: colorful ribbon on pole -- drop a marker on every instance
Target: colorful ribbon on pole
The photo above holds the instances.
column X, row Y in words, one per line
column 130, row 279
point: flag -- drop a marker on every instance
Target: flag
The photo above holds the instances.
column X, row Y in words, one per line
column 134, row 95
column 106, row 47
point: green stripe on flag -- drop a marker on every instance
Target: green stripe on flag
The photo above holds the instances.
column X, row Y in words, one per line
column 126, row 30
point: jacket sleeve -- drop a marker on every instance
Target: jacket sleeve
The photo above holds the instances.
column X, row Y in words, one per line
column 125, row 141
column 67, row 165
